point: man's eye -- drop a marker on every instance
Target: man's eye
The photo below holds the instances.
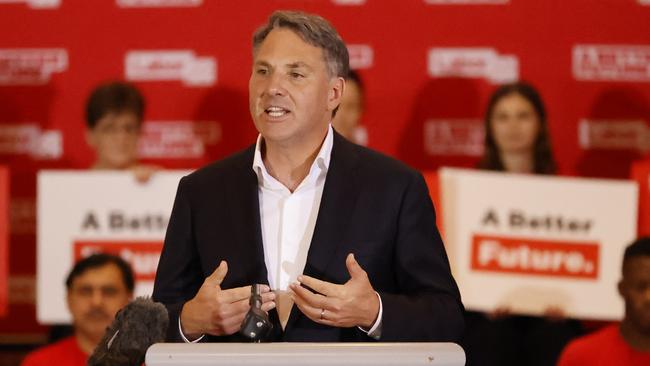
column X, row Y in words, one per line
column 261, row 71
column 297, row 75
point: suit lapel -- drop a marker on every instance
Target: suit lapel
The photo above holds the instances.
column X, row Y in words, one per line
column 244, row 198
column 337, row 203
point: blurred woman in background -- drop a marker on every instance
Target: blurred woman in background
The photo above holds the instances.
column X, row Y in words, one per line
column 517, row 140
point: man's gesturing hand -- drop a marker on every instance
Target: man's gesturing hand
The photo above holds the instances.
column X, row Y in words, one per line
column 354, row 303
column 219, row 312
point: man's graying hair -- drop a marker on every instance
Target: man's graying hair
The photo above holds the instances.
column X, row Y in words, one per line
column 314, row 30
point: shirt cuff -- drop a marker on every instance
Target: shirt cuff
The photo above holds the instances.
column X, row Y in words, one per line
column 180, row 330
column 375, row 330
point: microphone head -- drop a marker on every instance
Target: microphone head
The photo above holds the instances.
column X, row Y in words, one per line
column 137, row 326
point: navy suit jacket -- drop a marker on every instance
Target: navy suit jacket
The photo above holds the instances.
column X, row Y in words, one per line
column 372, row 206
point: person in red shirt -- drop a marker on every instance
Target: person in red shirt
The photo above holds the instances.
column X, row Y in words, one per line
column 627, row 343
column 98, row 286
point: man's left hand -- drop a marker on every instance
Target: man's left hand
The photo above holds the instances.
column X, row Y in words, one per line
column 354, row 303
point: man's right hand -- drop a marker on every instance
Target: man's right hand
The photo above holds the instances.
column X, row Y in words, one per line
column 219, row 312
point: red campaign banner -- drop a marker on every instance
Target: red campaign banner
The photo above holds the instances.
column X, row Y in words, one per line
column 640, row 172
column 4, row 236
column 576, row 260
column 143, row 256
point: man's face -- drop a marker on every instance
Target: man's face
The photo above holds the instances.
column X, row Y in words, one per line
column 115, row 140
column 635, row 290
column 515, row 124
column 95, row 297
column 291, row 94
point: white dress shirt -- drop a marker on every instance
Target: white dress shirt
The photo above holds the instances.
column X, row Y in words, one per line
column 288, row 220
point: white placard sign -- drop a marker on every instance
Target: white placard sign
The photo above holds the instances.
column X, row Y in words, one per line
column 530, row 242
column 81, row 212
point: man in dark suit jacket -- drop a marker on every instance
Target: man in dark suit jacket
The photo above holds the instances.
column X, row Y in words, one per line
column 374, row 258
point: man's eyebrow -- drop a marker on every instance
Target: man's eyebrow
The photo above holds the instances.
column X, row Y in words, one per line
column 299, row 64
column 262, row 63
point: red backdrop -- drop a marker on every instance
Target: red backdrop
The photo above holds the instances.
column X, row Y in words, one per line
column 428, row 65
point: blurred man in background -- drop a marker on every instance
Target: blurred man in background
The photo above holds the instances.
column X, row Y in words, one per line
column 627, row 343
column 348, row 117
column 97, row 287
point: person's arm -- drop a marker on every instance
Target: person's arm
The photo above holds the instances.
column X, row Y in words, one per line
column 428, row 305
column 196, row 303
column 179, row 275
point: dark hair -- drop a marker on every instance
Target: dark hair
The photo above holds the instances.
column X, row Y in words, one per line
column 544, row 163
column 639, row 248
column 354, row 76
column 101, row 260
column 314, row 30
column 113, row 97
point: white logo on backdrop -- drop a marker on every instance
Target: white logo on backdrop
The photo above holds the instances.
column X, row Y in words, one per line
column 35, row 4
column 361, row 56
column 177, row 139
column 614, row 134
column 453, row 137
column 484, row 63
column 466, row 2
column 29, row 139
column 157, row 3
column 611, row 62
column 644, row 2
column 171, row 65
column 31, row 66
column 349, row 2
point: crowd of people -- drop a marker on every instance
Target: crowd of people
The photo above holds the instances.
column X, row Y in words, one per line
column 392, row 282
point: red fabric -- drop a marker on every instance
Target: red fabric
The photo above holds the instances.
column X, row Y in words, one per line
column 605, row 347
column 64, row 352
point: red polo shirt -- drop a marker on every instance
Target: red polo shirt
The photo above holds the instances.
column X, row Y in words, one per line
column 64, row 352
column 604, row 347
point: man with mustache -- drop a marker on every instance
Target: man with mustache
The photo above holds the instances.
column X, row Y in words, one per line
column 98, row 286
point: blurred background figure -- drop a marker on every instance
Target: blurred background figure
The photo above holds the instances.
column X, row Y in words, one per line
column 114, row 115
column 347, row 121
column 97, row 287
column 517, row 140
column 627, row 343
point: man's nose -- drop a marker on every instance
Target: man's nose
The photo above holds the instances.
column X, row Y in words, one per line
column 275, row 85
column 97, row 297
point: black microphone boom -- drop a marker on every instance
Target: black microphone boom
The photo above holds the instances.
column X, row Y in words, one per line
column 137, row 326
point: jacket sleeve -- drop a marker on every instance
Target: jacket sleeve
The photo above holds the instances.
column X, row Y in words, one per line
column 427, row 306
column 179, row 275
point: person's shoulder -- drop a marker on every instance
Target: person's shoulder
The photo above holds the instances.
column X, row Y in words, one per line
column 223, row 168
column 588, row 346
column 374, row 162
column 52, row 354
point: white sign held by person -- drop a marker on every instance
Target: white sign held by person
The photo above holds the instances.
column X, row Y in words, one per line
column 81, row 213
column 529, row 243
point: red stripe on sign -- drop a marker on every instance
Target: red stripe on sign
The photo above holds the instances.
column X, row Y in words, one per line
column 535, row 257
column 142, row 256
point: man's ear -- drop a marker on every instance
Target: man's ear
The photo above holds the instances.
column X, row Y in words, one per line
column 337, row 87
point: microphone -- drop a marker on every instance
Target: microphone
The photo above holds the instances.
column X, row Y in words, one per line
column 256, row 324
column 137, row 326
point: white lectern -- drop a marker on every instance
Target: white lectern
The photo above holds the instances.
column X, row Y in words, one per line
column 306, row 354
